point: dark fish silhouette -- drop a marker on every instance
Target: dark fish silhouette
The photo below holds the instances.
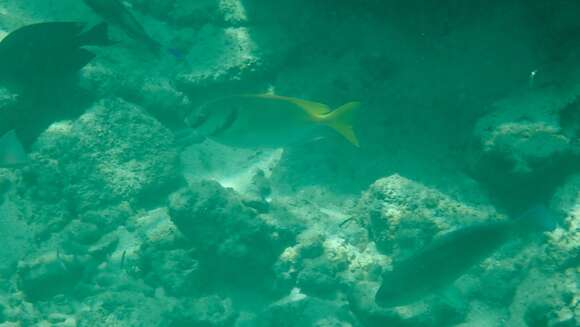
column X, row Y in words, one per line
column 450, row 256
column 116, row 13
column 40, row 63
column 41, row 52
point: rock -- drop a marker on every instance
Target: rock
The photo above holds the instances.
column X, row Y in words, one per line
column 126, row 304
column 432, row 312
column 210, row 311
column 318, row 279
column 155, row 228
column 226, row 233
column 401, row 216
column 7, row 100
column 82, row 232
column 226, row 59
column 527, row 146
column 563, row 248
column 115, row 148
column 162, row 100
column 61, row 320
column 16, row 240
column 175, row 270
column 104, row 246
column 547, row 300
column 49, row 274
column 183, row 12
column 305, row 311
column 110, row 217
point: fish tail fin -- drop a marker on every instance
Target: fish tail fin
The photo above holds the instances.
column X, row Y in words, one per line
column 97, row 35
column 538, row 217
column 12, row 152
column 341, row 120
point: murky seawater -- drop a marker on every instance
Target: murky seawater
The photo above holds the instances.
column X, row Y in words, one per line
column 289, row 163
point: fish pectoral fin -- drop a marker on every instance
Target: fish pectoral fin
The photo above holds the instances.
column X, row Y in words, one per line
column 342, row 120
column 12, row 152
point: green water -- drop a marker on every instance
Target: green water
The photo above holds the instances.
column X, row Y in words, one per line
column 290, row 163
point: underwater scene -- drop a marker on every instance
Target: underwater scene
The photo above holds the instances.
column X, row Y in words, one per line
column 290, row 163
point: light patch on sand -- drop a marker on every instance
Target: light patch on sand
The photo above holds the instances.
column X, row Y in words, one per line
column 241, row 180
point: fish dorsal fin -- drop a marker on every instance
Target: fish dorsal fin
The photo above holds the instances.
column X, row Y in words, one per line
column 314, row 109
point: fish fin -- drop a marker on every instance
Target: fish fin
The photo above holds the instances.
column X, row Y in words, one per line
column 12, row 152
column 312, row 108
column 83, row 57
column 341, row 120
column 97, row 35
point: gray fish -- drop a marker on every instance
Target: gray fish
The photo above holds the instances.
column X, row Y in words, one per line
column 116, row 13
column 449, row 257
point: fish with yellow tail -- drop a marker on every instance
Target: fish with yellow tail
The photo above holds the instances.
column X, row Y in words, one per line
column 270, row 121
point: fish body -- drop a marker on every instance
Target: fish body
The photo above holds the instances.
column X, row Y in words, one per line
column 269, row 121
column 38, row 63
column 451, row 255
column 116, row 13
column 442, row 262
column 45, row 51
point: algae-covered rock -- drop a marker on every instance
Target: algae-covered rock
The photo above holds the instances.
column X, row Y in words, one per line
column 328, row 268
column 126, row 304
column 114, row 152
column 305, row 311
column 209, row 311
column 528, row 145
column 183, row 12
column 49, row 274
column 7, row 100
column 226, row 233
column 563, row 248
column 401, row 215
column 177, row 271
column 547, row 300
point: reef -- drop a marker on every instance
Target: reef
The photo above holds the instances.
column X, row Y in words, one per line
column 125, row 217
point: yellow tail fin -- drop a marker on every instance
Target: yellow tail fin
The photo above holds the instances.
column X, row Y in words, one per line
column 341, row 120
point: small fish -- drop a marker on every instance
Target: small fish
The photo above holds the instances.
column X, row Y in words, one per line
column 270, row 121
column 450, row 256
column 116, row 13
column 42, row 52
